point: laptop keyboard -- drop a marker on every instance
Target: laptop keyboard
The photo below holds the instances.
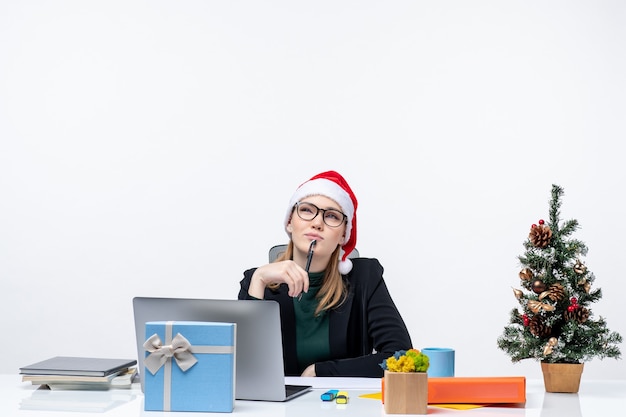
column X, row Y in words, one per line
column 294, row 389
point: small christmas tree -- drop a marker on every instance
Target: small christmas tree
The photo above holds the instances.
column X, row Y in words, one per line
column 554, row 322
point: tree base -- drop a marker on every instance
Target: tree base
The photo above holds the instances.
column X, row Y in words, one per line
column 562, row 377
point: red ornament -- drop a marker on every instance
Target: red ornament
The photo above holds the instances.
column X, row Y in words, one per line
column 541, row 221
column 532, row 226
column 526, row 320
column 574, row 304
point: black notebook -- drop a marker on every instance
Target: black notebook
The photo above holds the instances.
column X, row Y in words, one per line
column 71, row 365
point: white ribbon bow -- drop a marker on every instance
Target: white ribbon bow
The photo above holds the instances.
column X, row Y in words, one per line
column 180, row 350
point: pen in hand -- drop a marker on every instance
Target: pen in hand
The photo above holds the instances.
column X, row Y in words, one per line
column 310, row 255
column 308, row 260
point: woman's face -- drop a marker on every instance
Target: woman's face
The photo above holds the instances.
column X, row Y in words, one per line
column 305, row 231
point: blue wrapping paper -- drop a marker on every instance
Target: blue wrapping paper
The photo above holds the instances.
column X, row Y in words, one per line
column 196, row 366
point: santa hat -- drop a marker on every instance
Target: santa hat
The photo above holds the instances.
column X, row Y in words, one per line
column 332, row 185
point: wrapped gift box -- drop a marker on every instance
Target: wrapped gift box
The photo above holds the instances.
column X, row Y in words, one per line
column 189, row 366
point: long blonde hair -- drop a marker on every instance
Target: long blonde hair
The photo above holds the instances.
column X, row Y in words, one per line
column 333, row 290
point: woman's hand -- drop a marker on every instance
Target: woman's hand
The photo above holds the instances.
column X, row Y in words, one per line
column 287, row 272
column 309, row 371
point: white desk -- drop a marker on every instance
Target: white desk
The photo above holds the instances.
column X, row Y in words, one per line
column 19, row 399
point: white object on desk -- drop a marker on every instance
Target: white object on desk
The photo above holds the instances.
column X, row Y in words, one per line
column 595, row 399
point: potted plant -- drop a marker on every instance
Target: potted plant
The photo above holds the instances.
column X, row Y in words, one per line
column 554, row 322
column 405, row 382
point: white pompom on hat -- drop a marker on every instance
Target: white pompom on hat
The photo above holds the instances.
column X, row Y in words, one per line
column 332, row 185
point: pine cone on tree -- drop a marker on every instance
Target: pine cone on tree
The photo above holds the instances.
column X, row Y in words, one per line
column 538, row 327
column 556, row 292
column 540, row 235
column 580, row 314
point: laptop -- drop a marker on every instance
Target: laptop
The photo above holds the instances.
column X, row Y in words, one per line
column 260, row 373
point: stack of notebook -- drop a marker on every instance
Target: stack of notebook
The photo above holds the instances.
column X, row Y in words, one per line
column 77, row 373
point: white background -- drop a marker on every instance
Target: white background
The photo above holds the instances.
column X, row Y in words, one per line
column 151, row 147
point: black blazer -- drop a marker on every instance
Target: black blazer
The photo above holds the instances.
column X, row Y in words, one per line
column 366, row 329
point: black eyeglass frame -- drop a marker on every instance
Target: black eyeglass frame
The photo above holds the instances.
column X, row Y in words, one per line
column 324, row 211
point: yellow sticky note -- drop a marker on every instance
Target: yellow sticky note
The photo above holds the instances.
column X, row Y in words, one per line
column 373, row 396
column 379, row 396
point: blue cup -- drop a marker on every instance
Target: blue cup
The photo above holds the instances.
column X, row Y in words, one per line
column 441, row 361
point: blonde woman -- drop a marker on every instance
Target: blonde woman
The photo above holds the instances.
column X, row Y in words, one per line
column 337, row 316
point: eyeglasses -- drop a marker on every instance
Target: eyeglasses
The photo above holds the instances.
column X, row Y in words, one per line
column 308, row 211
